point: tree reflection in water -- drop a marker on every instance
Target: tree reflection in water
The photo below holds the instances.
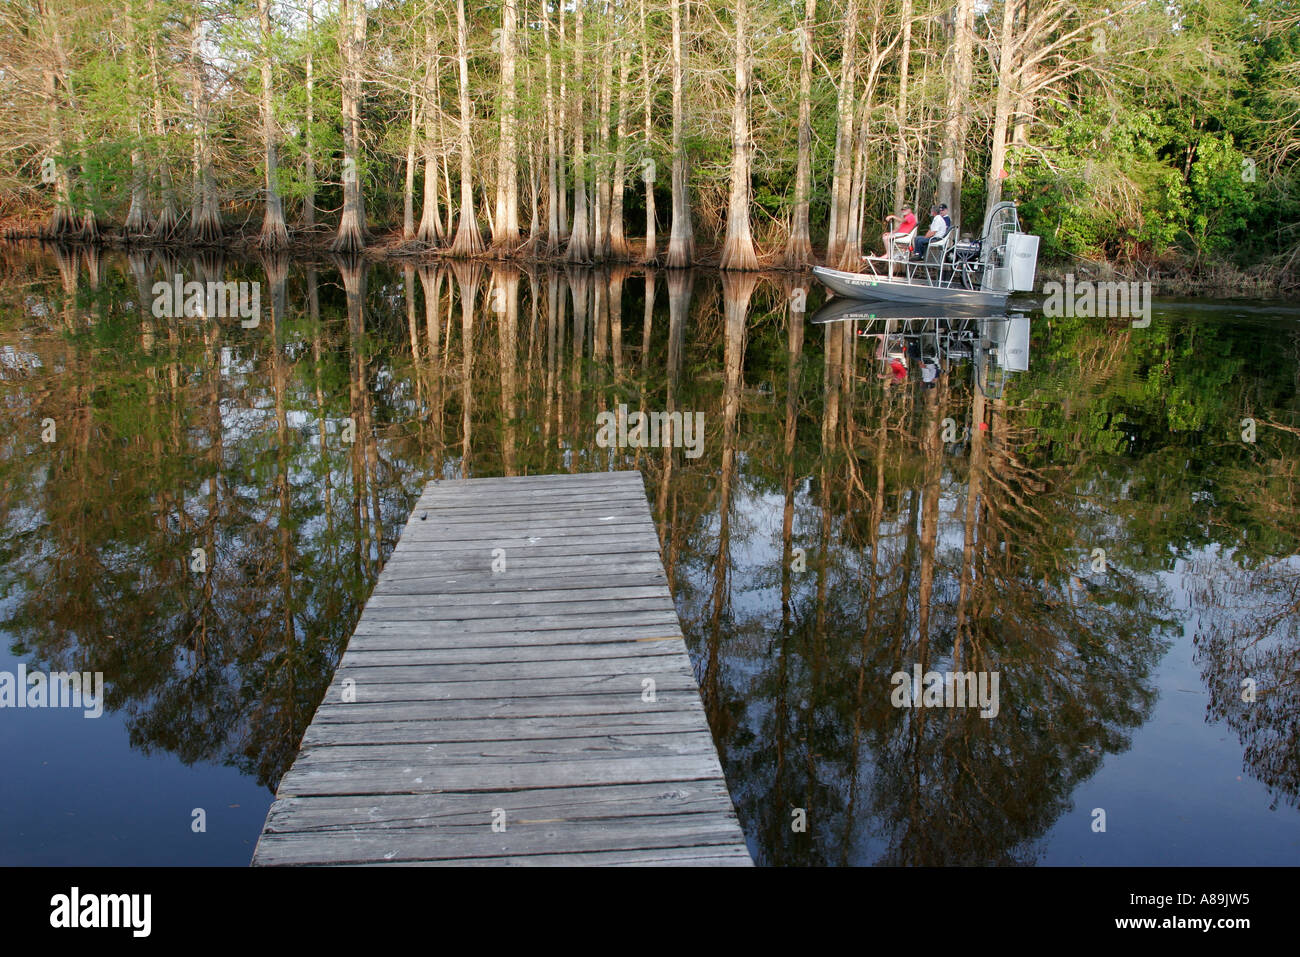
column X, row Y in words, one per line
column 829, row 536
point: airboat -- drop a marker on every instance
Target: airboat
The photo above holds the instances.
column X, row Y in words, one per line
column 974, row 273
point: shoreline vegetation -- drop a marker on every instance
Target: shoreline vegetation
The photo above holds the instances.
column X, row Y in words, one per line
column 1142, row 141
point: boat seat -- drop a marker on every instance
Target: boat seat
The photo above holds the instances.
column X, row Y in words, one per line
column 901, row 250
column 947, row 245
column 937, row 250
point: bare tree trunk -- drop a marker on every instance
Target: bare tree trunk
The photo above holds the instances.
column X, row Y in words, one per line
column 1025, row 79
column 309, row 161
column 536, row 161
column 842, row 175
column 579, row 249
column 168, row 220
column 552, row 146
column 681, row 240
column 900, row 154
column 408, row 185
column 137, row 217
column 618, row 247
column 352, row 225
column 953, row 159
column 505, row 224
column 855, row 211
column 430, row 230
column 602, row 192
column 925, row 125
column 447, row 202
column 738, row 246
column 205, row 215
column 468, row 241
column 273, row 235
column 798, row 249
column 534, row 147
column 487, row 202
column 1006, row 96
column 62, row 220
column 563, row 132
column 850, row 253
column 86, row 228
column 651, row 252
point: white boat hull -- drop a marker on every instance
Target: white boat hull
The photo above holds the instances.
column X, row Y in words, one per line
column 855, row 285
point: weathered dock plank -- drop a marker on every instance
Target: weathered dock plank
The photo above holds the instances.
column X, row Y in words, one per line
column 516, row 692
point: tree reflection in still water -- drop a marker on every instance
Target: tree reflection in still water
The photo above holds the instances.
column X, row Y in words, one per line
column 829, row 536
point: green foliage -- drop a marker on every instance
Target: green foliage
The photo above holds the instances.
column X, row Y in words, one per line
column 1223, row 194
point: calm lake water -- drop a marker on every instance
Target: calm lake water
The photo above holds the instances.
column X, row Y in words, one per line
column 199, row 510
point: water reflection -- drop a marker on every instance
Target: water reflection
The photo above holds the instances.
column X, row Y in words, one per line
column 844, row 522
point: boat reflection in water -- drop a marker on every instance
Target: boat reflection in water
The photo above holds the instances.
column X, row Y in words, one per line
column 995, row 343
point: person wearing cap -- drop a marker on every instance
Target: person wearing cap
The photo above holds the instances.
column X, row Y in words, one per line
column 906, row 224
column 939, row 227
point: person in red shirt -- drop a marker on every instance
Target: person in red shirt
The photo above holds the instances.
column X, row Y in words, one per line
column 905, row 224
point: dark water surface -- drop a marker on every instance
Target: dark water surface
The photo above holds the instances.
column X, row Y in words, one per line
column 835, row 530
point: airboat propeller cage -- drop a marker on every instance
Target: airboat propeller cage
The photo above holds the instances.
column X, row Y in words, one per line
column 1010, row 257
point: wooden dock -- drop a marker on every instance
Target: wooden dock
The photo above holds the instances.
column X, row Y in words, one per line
column 517, row 691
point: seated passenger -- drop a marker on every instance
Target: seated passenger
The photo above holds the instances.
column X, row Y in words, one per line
column 938, row 229
column 906, row 224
